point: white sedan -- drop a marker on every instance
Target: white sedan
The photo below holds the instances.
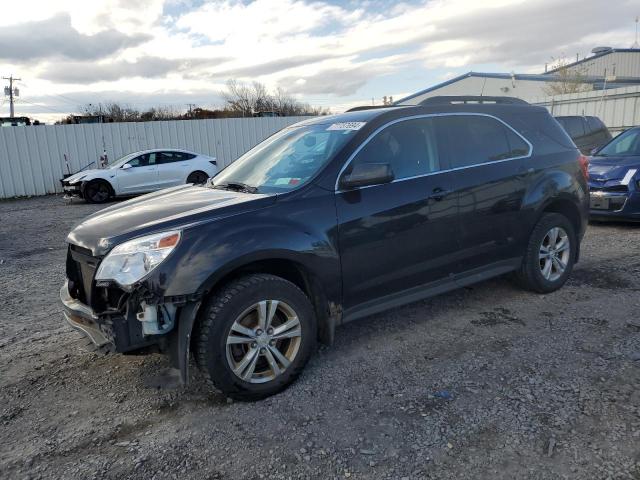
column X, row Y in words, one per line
column 141, row 172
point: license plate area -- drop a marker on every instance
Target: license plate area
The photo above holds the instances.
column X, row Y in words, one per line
column 599, row 202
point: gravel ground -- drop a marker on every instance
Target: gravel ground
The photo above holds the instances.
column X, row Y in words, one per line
column 483, row 382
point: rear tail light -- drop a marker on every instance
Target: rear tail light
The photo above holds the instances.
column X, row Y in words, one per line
column 584, row 165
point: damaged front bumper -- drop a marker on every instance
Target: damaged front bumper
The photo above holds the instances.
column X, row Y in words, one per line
column 82, row 318
column 125, row 332
column 71, row 189
column 614, row 205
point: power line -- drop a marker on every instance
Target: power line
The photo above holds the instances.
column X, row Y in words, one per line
column 71, row 101
column 43, row 106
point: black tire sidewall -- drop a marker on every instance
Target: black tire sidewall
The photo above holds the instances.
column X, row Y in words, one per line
column 198, row 173
column 213, row 351
column 534, row 274
column 95, row 184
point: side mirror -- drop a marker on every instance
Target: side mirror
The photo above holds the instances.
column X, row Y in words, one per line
column 365, row 174
column 126, row 166
column 594, row 150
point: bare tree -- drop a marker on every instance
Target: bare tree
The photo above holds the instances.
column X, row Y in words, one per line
column 568, row 79
column 244, row 98
column 251, row 99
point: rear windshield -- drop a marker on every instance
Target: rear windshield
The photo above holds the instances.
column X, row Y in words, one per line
column 573, row 125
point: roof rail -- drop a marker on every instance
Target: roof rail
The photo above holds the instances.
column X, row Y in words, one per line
column 448, row 100
column 372, row 107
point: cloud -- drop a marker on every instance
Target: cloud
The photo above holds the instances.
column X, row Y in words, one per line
column 340, row 82
column 73, row 100
column 320, row 50
column 267, row 68
column 56, row 37
column 144, row 67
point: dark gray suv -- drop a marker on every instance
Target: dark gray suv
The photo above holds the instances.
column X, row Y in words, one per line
column 327, row 221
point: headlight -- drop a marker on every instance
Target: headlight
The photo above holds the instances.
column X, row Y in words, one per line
column 131, row 261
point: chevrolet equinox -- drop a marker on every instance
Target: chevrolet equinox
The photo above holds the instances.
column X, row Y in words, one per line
column 332, row 219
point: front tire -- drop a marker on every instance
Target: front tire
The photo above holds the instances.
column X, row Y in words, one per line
column 97, row 191
column 197, row 178
column 550, row 254
column 255, row 336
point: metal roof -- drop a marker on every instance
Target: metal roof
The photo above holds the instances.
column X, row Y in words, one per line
column 597, row 55
column 517, row 76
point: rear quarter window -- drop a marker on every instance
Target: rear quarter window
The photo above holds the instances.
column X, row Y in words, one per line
column 543, row 131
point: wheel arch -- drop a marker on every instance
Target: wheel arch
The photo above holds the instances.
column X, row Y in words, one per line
column 197, row 170
column 85, row 183
column 294, row 271
column 568, row 208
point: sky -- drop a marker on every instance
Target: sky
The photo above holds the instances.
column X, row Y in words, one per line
column 329, row 53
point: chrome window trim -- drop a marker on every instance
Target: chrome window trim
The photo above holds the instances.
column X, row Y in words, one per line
column 429, row 115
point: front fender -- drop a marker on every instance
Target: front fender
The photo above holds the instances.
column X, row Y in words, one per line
column 304, row 234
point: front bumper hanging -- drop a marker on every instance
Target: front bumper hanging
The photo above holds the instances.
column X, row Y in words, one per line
column 81, row 317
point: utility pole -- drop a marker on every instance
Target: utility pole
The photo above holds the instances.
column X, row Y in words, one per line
column 191, row 105
column 11, row 92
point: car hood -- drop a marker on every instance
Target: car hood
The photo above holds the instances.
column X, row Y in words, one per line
column 611, row 168
column 88, row 174
column 171, row 208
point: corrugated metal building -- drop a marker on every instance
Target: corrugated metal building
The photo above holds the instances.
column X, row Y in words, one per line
column 611, row 78
column 621, row 62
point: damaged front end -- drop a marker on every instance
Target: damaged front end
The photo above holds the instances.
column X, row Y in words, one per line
column 124, row 317
column 72, row 187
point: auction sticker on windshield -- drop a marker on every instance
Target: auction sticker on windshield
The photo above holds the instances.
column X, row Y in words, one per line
column 347, row 126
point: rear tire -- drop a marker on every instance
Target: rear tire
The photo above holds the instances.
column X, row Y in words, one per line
column 255, row 336
column 550, row 254
column 97, row 191
column 197, row 178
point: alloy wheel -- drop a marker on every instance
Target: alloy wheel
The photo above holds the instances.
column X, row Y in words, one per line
column 263, row 341
column 555, row 251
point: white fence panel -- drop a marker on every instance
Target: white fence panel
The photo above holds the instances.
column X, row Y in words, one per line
column 32, row 158
column 619, row 108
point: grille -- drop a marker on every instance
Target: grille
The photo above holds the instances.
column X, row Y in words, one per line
column 81, row 267
column 614, row 188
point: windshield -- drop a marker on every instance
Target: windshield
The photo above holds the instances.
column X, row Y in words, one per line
column 122, row 160
column 625, row 144
column 284, row 161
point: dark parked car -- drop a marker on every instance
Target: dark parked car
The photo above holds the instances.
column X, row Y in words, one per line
column 329, row 220
column 614, row 180
column 588, row 133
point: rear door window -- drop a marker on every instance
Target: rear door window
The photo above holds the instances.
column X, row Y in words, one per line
column 171, row 157
column 477, row 139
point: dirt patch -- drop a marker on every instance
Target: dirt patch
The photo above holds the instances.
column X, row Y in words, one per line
column 497, row 316
column 600, row 278
column 484, row 382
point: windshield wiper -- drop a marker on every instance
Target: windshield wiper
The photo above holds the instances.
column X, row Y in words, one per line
column 237, row 187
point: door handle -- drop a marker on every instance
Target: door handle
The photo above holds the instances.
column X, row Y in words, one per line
column 524, row 172
column 438, row 194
